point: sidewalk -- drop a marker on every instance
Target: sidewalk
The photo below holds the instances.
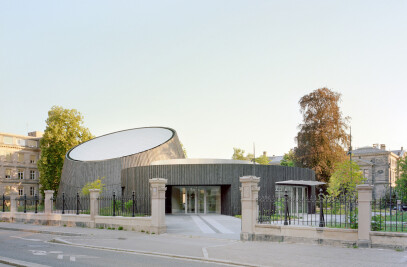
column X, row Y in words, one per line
column 217, row 250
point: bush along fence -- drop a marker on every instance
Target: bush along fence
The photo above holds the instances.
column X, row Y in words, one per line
column 320, row 211
column 346, row 220
column 389, row 215
column 91, row 211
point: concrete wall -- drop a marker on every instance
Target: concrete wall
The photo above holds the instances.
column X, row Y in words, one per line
column 72, row 220
column 306, row 234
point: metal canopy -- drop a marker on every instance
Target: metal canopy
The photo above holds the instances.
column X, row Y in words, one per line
column 300, row 183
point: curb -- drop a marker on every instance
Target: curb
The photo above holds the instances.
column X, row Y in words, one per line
column 173, row 256
column 40, row 231
column 19, row 263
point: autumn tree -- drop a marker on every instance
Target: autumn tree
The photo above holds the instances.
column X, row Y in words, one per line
column 322, row 135
column 64, row 130
column 346, row 177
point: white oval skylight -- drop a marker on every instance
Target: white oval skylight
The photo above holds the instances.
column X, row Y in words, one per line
column 120, row 144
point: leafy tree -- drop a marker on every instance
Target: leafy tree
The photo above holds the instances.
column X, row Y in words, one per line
column 184, row 150
column 64, row 130
column 263, row 160
column 322, row 135
column 97, row 184
column 288, row 159
column 238, row 154
column 346, row 177
column 401, row 183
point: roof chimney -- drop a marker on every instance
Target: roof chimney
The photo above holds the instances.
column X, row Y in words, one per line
column 265, row 153
column 383, row 147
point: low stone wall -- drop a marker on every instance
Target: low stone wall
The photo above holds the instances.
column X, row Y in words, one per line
column 140, row 224
column 389, row 240
column 306, row 234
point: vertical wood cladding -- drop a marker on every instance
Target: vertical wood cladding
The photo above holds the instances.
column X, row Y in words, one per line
column 75, row 174
column 226, row 175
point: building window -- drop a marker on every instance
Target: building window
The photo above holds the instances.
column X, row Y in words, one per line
column 32, row 143
column 21, row 142
column 20, row 174
column 8, row 173
column 366, row 174
column 8, row 157
column 32, row 174
column 21, row 157
column 32, row 191
column 32, row 159
column 7, row 140
column 21, row 191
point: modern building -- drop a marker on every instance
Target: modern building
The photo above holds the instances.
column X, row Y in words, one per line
column 379, row 167
column 18, row 163
column 128, row 159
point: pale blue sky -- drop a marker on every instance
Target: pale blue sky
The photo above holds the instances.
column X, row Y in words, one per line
column 223, row 74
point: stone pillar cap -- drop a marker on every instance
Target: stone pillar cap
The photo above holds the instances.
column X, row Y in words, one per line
column 364, row 187
column 49, row 191
column 249, row 178
column 158, row 180
column 94, row 190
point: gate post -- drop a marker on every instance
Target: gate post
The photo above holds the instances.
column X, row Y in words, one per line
column 250, row 209
column 157, row 191
column 13, row 201
column 94, row 203
column 364, row 214
column 48, row 201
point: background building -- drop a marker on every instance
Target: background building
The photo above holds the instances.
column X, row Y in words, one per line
column 18, row 163
column 106, row 156
column 128, row 159
column 379, row 167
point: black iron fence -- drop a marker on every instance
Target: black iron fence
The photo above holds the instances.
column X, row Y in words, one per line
column 5, row 203
column 77, row 204
column 129, row 206
column 109, row 205
column 318, row 211
column 389, row 215
column 24, row 204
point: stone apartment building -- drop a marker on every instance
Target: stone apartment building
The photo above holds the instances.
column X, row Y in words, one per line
column 379, row 167
column 18, row 163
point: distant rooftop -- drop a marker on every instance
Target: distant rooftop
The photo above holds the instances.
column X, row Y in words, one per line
column 275, row 160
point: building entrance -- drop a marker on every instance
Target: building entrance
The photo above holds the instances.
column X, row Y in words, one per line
column 196, row 199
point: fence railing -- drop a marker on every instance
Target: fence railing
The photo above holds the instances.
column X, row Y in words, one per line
column 77, row 204
column 389, row 215
column 24, row 204
column 5, row 203
column 319, row 211
column 129, row 206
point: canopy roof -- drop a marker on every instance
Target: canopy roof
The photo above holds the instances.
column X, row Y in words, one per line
column 300, row 183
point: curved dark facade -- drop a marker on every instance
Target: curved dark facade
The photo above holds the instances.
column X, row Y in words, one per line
column 76, row 173
column 224, row 176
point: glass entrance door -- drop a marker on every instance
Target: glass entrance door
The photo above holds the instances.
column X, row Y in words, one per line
column 196, row 199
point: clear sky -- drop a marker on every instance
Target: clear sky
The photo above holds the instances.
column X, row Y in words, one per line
column 223, row 74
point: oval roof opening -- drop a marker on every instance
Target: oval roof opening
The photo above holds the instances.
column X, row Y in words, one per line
column 121, row 144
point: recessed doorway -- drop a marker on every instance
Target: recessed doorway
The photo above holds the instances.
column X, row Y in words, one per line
column 195, row 199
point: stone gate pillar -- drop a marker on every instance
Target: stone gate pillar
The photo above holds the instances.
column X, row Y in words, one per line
column 13, row 201
column 157, row 191
column 94, row 203
column 364, row 214
column 250, row 210
column 48, row 201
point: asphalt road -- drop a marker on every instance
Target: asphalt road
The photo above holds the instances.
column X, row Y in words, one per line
column 34, row 248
